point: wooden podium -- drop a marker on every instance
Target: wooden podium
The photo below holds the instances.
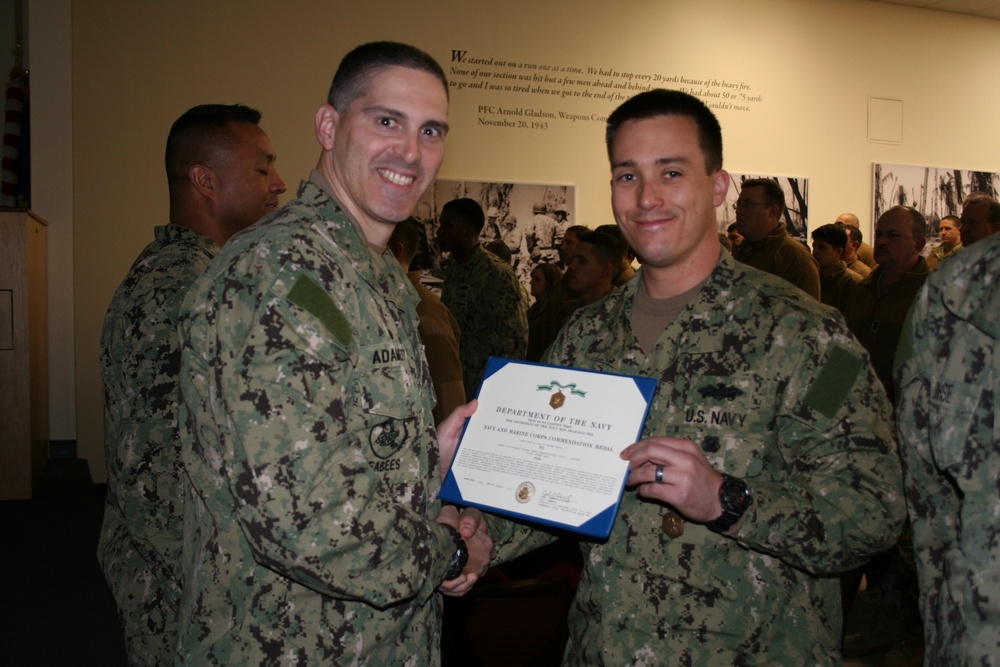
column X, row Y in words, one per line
column 24, row 366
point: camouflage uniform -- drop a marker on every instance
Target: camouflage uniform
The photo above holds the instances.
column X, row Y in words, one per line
column 312, row 455
column 778, row 393
column 948, row 372
column 492, row 312
column 140, row 543
column 543, row 239
column 939, row 254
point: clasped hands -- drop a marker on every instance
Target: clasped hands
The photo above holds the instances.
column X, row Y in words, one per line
column 470, row 523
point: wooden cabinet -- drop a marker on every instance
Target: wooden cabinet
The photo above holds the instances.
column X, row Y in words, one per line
column 24, row 368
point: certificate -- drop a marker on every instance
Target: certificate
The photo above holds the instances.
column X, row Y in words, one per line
column 544, row 444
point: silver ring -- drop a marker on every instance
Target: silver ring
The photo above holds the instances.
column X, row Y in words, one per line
column 659, row 474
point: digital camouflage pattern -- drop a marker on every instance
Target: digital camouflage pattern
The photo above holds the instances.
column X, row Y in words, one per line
column 948, row 370
column 492, row 312
column 312, row 454
column 140, row 543
column 777, row 392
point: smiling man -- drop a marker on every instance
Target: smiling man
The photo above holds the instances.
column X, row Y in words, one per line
column 766, row 463
column 221, row 179
column 311, row 529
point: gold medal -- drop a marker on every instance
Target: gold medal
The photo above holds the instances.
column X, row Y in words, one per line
column 557, row 400
column 673, row 525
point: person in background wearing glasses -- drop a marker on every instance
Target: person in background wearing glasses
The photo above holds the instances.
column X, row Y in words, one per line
column 768, row 246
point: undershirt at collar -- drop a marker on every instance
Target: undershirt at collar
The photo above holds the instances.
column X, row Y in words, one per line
column 650, row 317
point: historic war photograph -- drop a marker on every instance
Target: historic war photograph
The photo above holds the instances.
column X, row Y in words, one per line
column 934, row 191
column 524, row 222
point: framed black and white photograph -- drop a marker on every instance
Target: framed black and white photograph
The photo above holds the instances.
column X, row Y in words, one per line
column 526, row 220
column 934, row 191
column 796, row 191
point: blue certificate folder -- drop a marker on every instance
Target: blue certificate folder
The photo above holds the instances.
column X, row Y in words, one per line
column 543, row 445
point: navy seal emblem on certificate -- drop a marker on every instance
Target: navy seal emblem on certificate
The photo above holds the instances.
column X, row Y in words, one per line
column 544, row 444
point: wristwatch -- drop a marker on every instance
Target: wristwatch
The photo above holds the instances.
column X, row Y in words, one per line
column 461, row 556
column 736, row 499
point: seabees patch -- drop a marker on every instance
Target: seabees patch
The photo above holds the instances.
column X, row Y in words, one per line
column 387, row 438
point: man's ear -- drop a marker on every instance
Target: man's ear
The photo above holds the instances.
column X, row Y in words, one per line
column 203, row 179
column 326, row 125
column 720, row 187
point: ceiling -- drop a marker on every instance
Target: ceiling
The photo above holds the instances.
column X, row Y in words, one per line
column 984, row 8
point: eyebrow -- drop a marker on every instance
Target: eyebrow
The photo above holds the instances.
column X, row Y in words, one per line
column 660, row 162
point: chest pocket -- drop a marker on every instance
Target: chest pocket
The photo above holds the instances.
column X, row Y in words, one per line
column 726, row 416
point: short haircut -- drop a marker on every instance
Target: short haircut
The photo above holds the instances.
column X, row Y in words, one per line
column 660, row 102
column 360, row 65
column 407, row 233
column 607, row 249
column 992, row 210
column 733, row 227
column 833, row 234
column 199, row 132
column 917, row 221
column 579, row 230
column 773, row 194
column 469, row 210
column 853, row 232
column 954, row 219
column 615, row 232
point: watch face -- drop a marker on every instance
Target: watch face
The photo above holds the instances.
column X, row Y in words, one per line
column 736, row 494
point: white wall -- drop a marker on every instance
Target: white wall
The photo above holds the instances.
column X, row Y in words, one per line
column 137, row 66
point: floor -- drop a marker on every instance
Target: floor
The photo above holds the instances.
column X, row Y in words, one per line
column 57, row 609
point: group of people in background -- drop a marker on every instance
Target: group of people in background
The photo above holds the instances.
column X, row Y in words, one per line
column 282, row 399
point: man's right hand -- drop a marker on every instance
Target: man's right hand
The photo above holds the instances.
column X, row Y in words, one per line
column 472, row 527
